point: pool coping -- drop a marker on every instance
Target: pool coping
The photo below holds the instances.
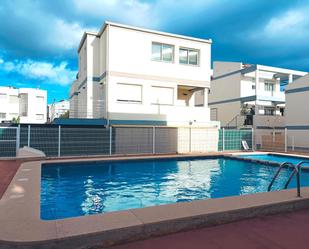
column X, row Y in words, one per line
column 21, row 226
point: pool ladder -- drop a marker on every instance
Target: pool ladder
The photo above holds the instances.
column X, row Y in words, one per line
column 296, row 170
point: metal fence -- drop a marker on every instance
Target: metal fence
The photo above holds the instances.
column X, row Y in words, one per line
column 8, row 141
column 66, row 141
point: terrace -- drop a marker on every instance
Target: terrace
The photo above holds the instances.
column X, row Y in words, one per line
column 121, row 227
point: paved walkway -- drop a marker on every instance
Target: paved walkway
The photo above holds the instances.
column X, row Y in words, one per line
column 7, row 172
column 283, row 231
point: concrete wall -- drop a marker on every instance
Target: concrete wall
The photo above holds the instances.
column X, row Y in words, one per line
column 297, row 112
column 225, row 88
column 73, row 99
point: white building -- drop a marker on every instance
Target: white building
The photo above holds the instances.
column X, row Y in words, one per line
column 27, row 104
column 129, row 75
column 297, row 113
column 246, row 95
column 57, row 109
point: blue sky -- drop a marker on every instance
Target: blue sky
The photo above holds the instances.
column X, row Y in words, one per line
column 39, row 39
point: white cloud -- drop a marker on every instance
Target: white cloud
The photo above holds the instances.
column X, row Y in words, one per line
column 292, row 22
column 43, row 71
column 289, row 27
column 132, row 12
column 65, row 35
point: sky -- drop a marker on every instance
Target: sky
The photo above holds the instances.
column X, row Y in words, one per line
column 39, row 38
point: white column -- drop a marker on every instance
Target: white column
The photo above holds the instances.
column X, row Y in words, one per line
column 205, row 97
column 257, row 81
column 257, row 86
column 290, row 78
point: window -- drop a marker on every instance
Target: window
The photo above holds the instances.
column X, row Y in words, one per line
column 2, row 115
column 40, row 98
column 269, row 111
column 39, row 116
column 129, row 93
column 162, row 52
column 269, row 86
column 214, row 114
column 162, row 95
column 188, row 56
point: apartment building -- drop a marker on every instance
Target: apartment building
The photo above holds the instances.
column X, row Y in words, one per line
column 28, row 105
column 247, row 95
column 57, row 109
column 130, row 75
column 297, row 114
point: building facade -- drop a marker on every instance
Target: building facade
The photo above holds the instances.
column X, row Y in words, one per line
column 297, row 114
column 246, row 95
column 129, row 75
column 25, row 105
column 57, row 109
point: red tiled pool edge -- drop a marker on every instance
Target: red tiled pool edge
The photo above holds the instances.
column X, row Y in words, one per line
column 8, row 169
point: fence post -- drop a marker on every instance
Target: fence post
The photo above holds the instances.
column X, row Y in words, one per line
column 286, row 139
column 273, row 143
column 17, row 138
column 190, row 139
column 252, row 139
column 293, row 145
column 153, row 140
column 28, row 143
column 59, row 140
column 110, row 139
column 223, row 139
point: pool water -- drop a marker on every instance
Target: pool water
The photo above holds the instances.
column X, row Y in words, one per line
column 69, row 190
column 276, row 158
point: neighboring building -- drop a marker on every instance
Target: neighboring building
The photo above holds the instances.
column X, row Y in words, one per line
column 29, row 105
column 57, row 109
column 129, row 75
column 297, row 114
column 246, row 95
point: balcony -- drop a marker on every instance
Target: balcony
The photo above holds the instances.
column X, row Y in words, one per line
column 168, row 114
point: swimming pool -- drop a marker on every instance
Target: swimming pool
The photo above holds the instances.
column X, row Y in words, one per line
column 276, row 158
column 78, row 189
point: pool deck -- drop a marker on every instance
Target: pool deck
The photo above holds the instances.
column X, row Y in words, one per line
column 281, row 231
column 21, row 226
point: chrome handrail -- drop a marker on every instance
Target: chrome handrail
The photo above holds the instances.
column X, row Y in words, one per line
column 297, row 170
column 277, row 173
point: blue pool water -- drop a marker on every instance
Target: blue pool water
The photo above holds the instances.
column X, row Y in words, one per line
column 275, row 158
column 99, row 187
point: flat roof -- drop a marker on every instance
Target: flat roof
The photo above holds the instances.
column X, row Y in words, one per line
column 248, row 68
column 108, row 23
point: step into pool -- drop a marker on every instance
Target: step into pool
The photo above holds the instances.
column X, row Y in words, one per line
column 276, row 158
column 78, row 189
